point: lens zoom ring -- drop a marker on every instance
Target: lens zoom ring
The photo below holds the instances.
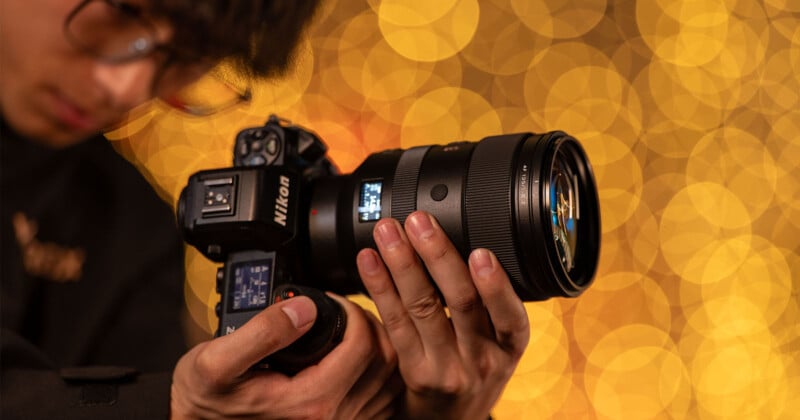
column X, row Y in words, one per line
column 489, row 214
column 404, row 186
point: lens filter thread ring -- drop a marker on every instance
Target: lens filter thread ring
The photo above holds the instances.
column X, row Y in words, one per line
column 543, row 153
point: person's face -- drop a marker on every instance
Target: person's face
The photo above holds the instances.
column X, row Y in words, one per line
column 52, row 91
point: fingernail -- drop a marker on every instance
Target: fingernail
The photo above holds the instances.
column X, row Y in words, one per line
column 482, row 262
column 300, row 310
column 388, row 235
column 367, row 261
column 420, row 225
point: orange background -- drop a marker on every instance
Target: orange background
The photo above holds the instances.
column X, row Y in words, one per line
column 689, row 113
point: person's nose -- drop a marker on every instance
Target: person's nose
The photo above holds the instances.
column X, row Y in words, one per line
column 128, row 84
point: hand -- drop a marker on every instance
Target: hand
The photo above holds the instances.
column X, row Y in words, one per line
column 354, row 381
column 453, row 367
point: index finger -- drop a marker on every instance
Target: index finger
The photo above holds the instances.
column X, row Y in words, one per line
column 506, row 310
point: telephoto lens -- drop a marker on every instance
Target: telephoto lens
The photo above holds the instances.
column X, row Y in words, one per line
column 529, row 198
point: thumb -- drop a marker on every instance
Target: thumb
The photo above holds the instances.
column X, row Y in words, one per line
column 272, row 329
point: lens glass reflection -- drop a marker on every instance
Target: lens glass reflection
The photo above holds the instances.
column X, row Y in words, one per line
column 564, row 211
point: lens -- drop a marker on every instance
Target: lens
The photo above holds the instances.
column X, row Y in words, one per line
column 564, row 211
column 529, row 198
column 110, row 30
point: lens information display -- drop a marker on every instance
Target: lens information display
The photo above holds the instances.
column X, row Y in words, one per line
column 251, row 285
column 369, row 201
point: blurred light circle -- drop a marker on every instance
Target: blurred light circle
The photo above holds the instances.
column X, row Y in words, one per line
column 737, row 159
column 636, row 372
column 503, row 46
column 560, row 18
column 702, row 220
column 544, row 366
column 598, row 312
column 414, row 12
column 678, row 102
column 548, row 67
column 784, row 5
column 779, row 86
column 387, row 76
column 642, row 235
column 432, row 41
column 446, row 115
column 783, row 134
column 684, row 32
column 764, row 278
column 586, row 98
column 742, row 378
column 619, row 183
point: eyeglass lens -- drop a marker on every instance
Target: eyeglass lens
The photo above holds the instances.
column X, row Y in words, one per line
column 110, row 31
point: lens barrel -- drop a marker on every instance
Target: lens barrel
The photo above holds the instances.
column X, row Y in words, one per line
column 530, row 198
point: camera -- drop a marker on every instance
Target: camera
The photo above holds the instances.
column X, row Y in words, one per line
column 283, row 215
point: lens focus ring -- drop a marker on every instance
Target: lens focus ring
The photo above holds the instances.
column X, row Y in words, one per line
column 406, row 178
column 489, row 215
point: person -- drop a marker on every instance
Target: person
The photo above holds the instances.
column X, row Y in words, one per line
column 92, row 265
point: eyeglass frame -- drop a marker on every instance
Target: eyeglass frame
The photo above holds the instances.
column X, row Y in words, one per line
column 138, row 53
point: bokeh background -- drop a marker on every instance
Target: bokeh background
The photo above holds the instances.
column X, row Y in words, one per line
column 690, row 113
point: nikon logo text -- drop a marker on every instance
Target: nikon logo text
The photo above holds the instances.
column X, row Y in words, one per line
column 282, row 201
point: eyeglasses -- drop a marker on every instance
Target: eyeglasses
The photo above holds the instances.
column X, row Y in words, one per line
column 116, row 32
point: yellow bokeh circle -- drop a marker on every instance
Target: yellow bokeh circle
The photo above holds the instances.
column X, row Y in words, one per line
column 446, row 115
column 738, row 160
column 677, row 102
column 618, row 175
column 414, row 12
column 738, row 378
column 560, row 18
column 620, row 299
column 505, row 46
column 702, row 220
column 636, row 372
column 421, row 40
column 783, row 134
column 544, row 364
column 586, row 99
column 684, row 32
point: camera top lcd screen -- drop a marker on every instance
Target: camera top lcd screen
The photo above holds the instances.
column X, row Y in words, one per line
column 369, row 201
column 251, row 286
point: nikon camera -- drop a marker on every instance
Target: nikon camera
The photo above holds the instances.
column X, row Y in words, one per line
column 285, row 222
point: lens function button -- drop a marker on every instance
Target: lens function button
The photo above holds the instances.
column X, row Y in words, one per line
column 439, row 192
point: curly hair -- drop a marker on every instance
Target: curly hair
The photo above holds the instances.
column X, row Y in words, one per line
column 258, row 37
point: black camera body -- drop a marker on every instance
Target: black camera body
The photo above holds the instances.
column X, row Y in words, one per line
column 247, row 218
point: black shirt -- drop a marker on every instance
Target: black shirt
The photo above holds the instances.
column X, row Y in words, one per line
column 92, row 275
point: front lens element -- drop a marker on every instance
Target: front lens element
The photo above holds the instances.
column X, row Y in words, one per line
column 564, row 212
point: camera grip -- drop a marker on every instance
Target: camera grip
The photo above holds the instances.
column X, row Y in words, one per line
column 324, row 335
